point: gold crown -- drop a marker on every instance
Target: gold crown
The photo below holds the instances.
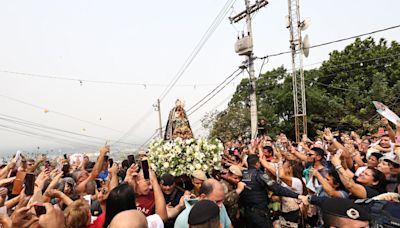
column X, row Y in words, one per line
column 179, row 103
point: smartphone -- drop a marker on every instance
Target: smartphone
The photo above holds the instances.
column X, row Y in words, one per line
column 29, row 183
column 65, row 156
column 131, row 160
column 111, row 162
column 39, row 209
column 47, row 165
column 106, row 158
column 65, row 169
column 98, row 183
column 145, row 167
column 18, row 183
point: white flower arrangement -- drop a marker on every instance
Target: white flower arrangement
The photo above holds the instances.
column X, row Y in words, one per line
column 182, row 157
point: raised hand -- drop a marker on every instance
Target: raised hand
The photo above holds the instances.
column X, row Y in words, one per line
column 53, row 218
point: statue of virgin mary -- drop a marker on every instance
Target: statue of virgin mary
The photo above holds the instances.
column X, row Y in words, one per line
column 178, row 124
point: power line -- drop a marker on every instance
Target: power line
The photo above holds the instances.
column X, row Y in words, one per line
column 135, row 126
column 214, row 108
column 58, row 113
column 213, row 90
column 336, row 41
column 42, row 127
column 198, row 47
column 44, row 136
column 212, row 96
column 82, row 81
column 156, row 132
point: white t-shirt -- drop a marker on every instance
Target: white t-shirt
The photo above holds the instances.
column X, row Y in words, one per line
column 154, row 221
column 291, row 204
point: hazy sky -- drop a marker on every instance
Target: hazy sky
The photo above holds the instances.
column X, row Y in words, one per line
column 143, row 42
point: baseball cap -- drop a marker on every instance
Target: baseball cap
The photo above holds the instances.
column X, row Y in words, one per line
column 377, row 155
column 344, row 208
column 394, row 160
column 167, row 179
column 203, row 211
column 235, row 170
column 199, row 175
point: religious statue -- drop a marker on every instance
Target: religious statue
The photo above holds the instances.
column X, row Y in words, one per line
column 178, row 124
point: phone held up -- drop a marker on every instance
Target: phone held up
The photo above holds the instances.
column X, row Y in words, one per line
column 29, row 184
column 39, row 209
column 145, row 168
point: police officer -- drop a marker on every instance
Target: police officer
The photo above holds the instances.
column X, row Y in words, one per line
column 255, row 201
column 232, row 188
column 172, row 196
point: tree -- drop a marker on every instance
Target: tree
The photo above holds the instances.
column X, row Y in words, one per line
column 339, row 93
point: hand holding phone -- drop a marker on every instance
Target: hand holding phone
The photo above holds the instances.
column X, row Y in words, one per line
column 39, row 209
column 110, row 162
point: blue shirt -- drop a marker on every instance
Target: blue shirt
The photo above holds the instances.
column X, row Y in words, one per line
column 182, row 219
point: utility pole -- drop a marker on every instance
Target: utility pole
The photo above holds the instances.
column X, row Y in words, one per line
column 158, row 108
column 298, row 48
column 244, row 46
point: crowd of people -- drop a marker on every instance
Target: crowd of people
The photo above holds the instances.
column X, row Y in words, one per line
column 340, row 179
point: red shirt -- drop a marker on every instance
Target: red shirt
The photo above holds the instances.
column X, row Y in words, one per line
column 146, row 203
column 99, row 222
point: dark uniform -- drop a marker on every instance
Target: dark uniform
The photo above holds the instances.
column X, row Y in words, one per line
column 255, row 201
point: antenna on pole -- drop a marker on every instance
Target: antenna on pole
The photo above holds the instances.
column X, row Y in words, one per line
column 244, row 46
column 299, row 48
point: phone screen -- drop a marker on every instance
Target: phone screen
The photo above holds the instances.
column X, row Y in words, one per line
column 131, row 160
column 18, row 183
column 29, row 183
column 65, row 169
column 145, row 167
column 98, row 183
column 39, row 209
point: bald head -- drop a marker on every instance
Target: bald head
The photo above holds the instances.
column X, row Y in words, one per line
column 209, row 186
column 213, row 190
column 129, row 219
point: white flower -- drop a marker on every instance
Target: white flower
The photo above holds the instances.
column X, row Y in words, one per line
column 166, row 165
column 197, row 166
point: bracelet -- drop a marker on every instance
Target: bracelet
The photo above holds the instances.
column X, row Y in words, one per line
column 338, row 167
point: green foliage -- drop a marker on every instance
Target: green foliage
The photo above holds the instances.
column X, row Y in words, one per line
column 339, row 93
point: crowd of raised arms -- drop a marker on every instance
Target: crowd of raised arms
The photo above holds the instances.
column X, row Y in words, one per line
column 334, row 180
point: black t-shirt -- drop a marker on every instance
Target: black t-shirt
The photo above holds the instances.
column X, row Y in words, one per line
column 371, row 192
column 174, row 197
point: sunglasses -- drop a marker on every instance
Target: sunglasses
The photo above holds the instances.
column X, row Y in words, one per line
column 310, row 155
column 103, row 190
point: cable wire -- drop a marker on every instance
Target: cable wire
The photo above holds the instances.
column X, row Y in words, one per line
column 58, row 113
column 336, row 41
column 198, row 47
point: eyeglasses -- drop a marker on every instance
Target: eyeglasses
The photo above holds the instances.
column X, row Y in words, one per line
column 310, row 154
